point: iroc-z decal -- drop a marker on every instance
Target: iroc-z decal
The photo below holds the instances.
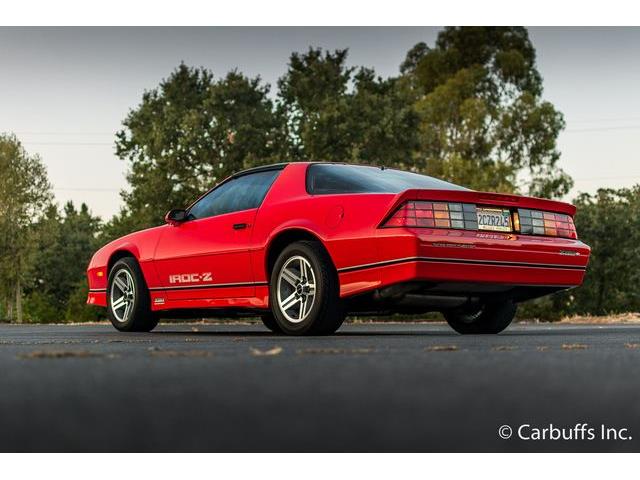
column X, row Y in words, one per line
column 190, row 278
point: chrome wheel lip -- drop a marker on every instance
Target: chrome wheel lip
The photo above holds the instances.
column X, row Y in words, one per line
column 122, row 295
column 296, row 289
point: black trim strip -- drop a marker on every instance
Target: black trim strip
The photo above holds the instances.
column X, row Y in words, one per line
column 97, row 290
column 461, row 261
column 262, row 168
column 210, row 285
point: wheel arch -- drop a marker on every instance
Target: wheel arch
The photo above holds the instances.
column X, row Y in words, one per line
column 287, row 237
column 118, row 255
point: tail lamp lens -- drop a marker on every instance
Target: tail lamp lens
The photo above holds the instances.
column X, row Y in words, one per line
column 536, row 222
column 463, row 216
column 435, row 215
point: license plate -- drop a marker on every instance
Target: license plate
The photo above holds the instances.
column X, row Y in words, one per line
column 496, row 219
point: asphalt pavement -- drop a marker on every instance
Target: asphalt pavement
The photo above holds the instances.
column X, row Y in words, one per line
column 371, row 387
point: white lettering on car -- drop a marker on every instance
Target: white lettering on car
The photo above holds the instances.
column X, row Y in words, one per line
column 191, row 277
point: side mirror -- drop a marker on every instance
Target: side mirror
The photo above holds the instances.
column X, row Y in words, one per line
column 175, row 217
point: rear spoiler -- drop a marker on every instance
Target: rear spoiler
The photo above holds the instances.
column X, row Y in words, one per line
column 484, row 199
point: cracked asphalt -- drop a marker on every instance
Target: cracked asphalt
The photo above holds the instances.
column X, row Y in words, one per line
column 371, row 387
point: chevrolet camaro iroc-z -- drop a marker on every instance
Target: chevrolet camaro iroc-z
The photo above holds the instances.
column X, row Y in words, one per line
column 304, row 244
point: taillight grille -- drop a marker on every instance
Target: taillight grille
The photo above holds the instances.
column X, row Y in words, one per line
column 435, row 215
column 537, row 222
column 464, row 216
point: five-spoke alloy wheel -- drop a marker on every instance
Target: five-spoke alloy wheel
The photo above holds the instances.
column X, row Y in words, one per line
column 304, row 291
column 296, row 289
column 122, row 296
column 129, row 304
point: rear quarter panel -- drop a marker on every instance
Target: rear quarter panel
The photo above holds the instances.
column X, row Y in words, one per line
column 345, row 223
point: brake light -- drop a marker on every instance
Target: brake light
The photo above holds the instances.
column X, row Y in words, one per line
column 537, row 222
column 464, row 216
column 435, row 215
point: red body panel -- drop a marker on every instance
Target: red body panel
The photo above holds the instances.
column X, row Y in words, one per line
column 207, row 263
column 206, row 252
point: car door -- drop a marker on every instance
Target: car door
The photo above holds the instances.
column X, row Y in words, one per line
column 207, row 256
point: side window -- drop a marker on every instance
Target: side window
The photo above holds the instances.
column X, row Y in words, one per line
column 242, row 193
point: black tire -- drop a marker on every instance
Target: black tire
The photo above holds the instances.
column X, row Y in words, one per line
column 138, row 317
column 489, row 318
column 270, row 322
column 326, row 313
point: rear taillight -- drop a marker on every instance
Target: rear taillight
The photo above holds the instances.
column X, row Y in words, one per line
column 464, row 216
column 536, row 222
column 435, row 215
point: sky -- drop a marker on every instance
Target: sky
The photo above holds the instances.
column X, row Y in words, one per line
column 65, row 91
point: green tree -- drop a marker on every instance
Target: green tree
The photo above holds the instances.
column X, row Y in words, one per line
column 25, row 193
column 313, row 99
column 338, row 113
column 382, row 122
column 483, row 122
column 188, row 134
column 609, row 221
column 413, row 58
column 65, row 242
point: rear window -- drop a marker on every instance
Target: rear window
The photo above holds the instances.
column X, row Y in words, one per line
column 327, row 178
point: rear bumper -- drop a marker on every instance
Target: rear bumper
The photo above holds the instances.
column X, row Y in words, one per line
column 447, row 256
column 438, row 270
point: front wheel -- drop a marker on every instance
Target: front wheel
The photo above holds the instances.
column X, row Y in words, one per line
column 128, row 300
column 304, row 291
column 490, row 317
column 269, row 321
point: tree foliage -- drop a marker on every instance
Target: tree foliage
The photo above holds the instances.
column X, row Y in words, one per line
column 338, row 113
column 64, row 244
column 483, row 122
column 25, row 193
column 313, row 100
column 609, row 222
column 189, row 133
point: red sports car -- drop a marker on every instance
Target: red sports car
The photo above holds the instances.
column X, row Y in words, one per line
column 304, row 244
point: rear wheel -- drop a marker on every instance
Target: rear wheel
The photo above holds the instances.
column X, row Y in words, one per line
column 490, row 317
column 128, row 300
column 304, row 292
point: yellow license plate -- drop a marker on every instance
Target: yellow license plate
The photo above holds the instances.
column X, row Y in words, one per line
column 496, row 219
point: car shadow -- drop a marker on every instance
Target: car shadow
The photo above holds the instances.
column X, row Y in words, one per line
column 386, row 331
column 266, row 334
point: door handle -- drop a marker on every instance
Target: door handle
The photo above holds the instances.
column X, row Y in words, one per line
column 240, row 226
